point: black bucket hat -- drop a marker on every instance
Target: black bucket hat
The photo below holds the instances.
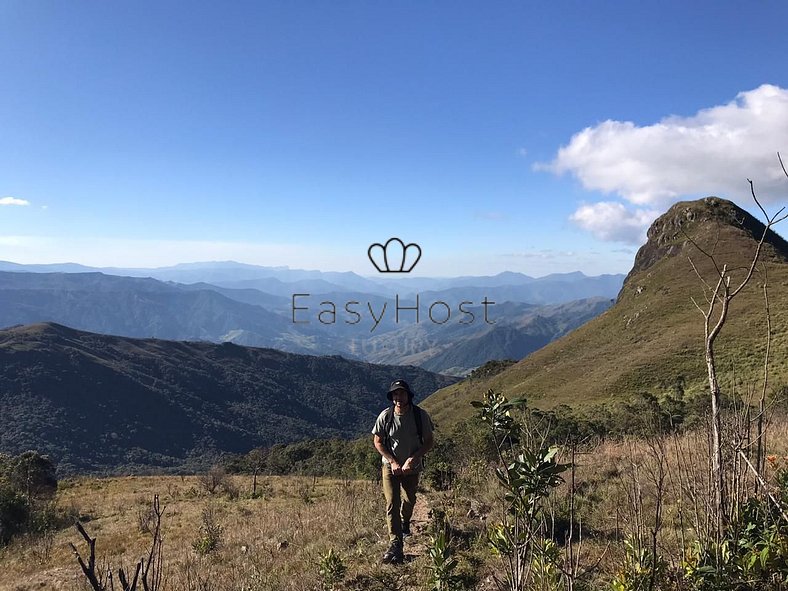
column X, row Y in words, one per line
column 400, row 385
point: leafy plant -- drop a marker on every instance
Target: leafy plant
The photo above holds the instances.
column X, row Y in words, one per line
column 210, row 533
column 527, row 477
column 640, row 571
column 332, row 569
column 442, row 563
column 753, row 553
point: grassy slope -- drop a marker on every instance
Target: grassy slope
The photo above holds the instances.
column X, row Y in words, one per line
column 653, row 335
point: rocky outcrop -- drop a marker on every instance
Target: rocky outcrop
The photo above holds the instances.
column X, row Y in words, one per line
column 670, row 233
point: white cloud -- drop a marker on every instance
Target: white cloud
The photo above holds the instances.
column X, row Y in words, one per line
column 13, row 201
column 612, row 221
column 713, row 152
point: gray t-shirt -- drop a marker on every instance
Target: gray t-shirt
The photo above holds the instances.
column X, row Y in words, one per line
column 403, row 435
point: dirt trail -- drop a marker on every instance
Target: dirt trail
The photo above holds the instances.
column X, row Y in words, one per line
column 416, row 544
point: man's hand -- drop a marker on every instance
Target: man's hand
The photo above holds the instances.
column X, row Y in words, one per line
column 409, row 465
column 396, row 469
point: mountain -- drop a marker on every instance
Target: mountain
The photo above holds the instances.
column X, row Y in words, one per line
column 251, row 296
column 516, row 330
column 379, row 332
column 547, row 290
column 284, row 281
column 223, row 273
column 102, row 403
column 130, row 306
column 47, row 268
column 652, row 338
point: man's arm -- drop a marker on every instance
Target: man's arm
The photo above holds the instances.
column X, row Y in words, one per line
column 395, row 467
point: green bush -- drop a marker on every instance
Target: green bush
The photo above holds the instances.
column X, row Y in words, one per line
column 442, row 564
column 25, row 481
column 338, row 458
column 14, row 514
column 641, row 570
column 210, row 534
column 439, row 472
column 331, row 569
column 754, row 552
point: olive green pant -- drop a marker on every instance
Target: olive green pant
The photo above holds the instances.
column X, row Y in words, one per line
column 399, row 507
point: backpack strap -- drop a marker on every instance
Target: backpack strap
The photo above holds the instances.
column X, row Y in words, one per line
column 388, row 424
column 419, row 428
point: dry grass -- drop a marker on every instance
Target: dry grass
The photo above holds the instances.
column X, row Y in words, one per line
column 276, row 542
column 618, row 485
column 266, row 543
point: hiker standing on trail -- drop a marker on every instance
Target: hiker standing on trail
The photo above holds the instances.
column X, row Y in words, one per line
column 402, row 435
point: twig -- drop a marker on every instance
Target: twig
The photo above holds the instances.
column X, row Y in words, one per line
column 764, row 485
column 90, row 569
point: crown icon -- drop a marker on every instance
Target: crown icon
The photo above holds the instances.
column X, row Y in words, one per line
column 393, row 256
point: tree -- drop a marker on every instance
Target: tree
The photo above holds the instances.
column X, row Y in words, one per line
column 33, row 475
column 24, row 479
column 719, row 293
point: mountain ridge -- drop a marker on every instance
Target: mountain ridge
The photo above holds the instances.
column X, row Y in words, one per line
column 672, row 232
column 100, row 403
column 651, row 338
column 147, row 307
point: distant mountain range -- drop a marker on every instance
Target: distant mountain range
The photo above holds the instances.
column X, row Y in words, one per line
column 313, row 312
column 651, row 340
column 110, row 404
column 550, row 289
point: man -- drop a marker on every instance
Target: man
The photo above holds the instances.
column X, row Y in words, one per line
column 402, row 435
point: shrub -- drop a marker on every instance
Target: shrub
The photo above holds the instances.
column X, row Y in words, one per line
column 527, row 476
column 33, row 475
column 210, row 533
column 14, row 514
column 439, row 471
column 442, row 563
column 213, row 479
column 25, row 480
column 331, row 568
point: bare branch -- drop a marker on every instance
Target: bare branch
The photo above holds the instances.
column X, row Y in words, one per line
column 702, row 280
column 88, row 569
column 697, row 306
column 710, row 256
column 765, row 486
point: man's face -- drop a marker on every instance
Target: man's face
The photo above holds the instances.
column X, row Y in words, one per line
column 400, row 398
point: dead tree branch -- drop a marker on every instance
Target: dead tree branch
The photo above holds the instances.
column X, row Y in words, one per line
column 150, row 568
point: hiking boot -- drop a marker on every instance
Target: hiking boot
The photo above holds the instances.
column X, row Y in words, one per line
column 405, row 529
column 394, row 554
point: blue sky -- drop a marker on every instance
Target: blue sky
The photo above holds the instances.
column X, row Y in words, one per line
column 526, row 136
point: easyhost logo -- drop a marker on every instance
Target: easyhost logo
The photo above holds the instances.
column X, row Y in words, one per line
column 392, row 257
